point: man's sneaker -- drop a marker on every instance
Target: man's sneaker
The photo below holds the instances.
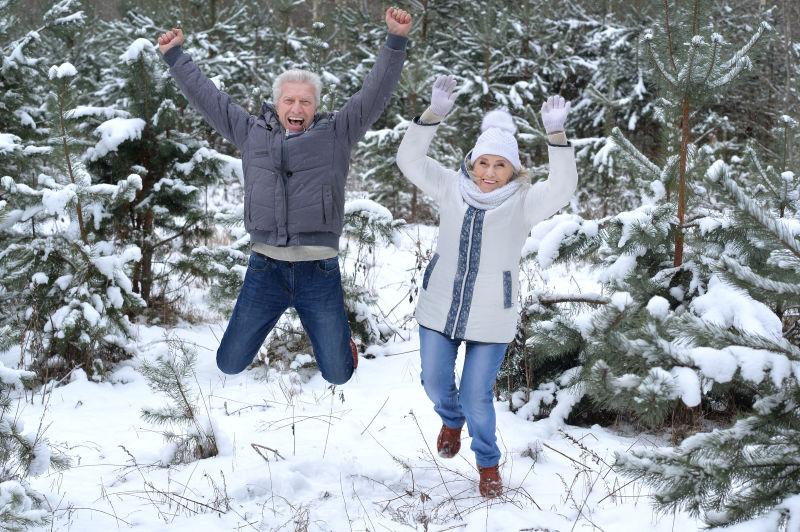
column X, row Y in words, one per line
column 490, row 484
column 449, row 442
column 354, row 350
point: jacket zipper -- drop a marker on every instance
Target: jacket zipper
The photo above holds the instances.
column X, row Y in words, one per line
column 466, row 274
column 285, row 180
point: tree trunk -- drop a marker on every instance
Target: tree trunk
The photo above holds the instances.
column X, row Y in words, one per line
column 682, row 181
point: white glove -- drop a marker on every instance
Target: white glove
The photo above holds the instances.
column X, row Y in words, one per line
column 442, row 96
column 554, row 114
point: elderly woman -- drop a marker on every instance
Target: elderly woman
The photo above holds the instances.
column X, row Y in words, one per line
column 469, row 289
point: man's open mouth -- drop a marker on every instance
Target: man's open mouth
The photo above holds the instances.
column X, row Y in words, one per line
column 297, row 122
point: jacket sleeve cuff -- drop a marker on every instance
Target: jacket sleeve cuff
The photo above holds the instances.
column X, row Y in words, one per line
column 567, row 145
column 396, row 42
column 171, row 56
column 557, row 139
column 428, row 118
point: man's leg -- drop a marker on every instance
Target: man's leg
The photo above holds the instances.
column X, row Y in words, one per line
column 262, row 300
column 438, row 355
column 480, row 371
column 319, row 301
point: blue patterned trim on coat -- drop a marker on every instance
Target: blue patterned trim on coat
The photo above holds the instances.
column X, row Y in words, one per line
column 472, row 273
column 429, row 270
column 461, row 269
column 507, row 289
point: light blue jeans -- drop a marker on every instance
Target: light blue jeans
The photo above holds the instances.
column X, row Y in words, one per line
column 472, row 401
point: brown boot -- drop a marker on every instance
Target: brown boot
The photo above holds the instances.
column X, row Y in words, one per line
column 449, row 442
column 490, row 484
column 354, row 350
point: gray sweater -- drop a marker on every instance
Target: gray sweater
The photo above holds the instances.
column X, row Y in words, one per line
column 294, row 184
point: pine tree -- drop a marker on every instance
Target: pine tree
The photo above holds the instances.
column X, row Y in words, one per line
column 367, row 225
column 631, row 362
column 175, row 207
column 22, row 455
column 64, row 285
column 191, row 434
column 737, row 473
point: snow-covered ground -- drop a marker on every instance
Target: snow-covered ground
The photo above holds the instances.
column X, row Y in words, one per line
column 299, row 455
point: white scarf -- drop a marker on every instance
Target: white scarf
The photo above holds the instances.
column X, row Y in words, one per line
column 484, row 200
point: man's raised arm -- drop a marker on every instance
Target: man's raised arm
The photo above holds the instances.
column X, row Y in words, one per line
column 222, row 113
column 365, row 106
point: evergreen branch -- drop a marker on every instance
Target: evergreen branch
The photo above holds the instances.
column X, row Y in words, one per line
column 714, row 57
column 715, row 335
column 634, row 156
column 668, row 30
column 591, row 299
column 718, row 174
column 744, row 50
column 660, row 67
column 747, row 275
column 745, row 62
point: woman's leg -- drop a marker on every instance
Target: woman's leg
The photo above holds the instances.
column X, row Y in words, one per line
column 438, row 354
column 480, row 371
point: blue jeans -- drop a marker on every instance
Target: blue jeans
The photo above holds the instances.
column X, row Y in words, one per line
column 473, row 401
column 314, row 289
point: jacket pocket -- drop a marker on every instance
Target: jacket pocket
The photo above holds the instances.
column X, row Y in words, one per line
column 507, row 289
column 429, row 270
column 327, row 205
column 261, row 201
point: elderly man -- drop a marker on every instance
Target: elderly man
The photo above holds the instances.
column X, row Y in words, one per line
column 295, row 164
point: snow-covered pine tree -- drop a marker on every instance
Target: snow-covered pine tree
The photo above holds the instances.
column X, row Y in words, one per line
column 65, row 286
column 629, row 363
column 23, row 454
column 367, row 226
column 143, row 134
column 737, row 473
column 188, row 428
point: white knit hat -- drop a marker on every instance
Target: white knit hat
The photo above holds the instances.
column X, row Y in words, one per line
column 497, row 138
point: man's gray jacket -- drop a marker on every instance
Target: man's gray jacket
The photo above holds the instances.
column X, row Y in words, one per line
column 294, row 185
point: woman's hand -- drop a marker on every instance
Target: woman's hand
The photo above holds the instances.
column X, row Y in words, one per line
column 171, row 39
column 442, row 95
column 554, row 114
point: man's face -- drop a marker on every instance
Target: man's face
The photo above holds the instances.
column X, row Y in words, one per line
column 296, row 107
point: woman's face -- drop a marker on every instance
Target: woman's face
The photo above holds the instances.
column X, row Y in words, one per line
column 491, row 172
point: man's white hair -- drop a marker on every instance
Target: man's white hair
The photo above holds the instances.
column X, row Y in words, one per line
column 296, row 75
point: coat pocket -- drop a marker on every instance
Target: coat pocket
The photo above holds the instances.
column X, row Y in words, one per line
column 429, row 270
column 507, row 289
column 327, row 205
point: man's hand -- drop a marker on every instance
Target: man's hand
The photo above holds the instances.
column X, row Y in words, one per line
column 398, row 21
column 442, row 95
column 171, row 39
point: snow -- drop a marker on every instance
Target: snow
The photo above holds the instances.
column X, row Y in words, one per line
column 39, row 278
column 375, row 212
column 55, row 201
column 359, row 456
column 658, row 307
column 230, row 167
column 9, row 143
column 114, row 132
column 548, row 236
column 65, row 70
column 688, row 384
column 138, row 48
column 728, row 306
column 83, row 111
